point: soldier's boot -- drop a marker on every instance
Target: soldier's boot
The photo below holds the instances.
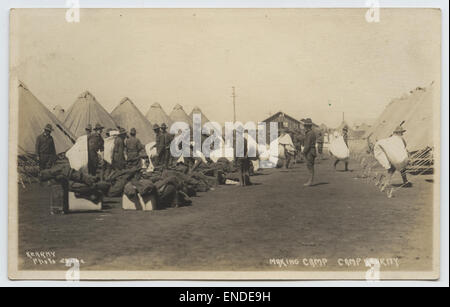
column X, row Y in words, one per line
column 406, row 183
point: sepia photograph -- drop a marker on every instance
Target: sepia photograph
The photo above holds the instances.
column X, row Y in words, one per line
column 224, row 144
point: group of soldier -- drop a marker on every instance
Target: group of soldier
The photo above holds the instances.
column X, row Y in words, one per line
column 128, row 148
column 163, row 140
column 310, row 145
column 126, row 152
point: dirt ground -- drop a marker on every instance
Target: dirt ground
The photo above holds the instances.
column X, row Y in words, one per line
column 276, row 224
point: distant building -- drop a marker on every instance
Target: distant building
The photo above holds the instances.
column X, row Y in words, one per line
column 284, row 121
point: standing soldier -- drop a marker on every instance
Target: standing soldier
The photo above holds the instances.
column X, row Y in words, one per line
column 167, row 137
column 345, row 136
column 159, row 144
column 399, row 131
column 95, row 145
column 133, row 148
column 309, row 150
column 118, row 156
column 242, row 160
column 45, row 148
column 287, row 154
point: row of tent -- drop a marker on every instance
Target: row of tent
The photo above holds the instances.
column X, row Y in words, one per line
column 415, row 113
column 69, row 125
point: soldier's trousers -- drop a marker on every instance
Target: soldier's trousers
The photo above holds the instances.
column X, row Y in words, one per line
column 46, row 161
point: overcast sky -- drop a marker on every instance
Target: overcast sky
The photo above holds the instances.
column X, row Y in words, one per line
column 307, row 63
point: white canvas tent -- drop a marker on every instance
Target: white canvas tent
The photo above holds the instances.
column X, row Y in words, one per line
column 128, row 116
column 156, row 115
column 197, row 110
column 33, row 116
column 86, row 110
column 179, row 115
column 415, row 111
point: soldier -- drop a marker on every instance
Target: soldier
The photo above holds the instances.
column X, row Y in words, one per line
column 309, row 150
column 345, row 136
column 45, row 148
column 287, row 154
column 133, row 148
column 95, row 145
column 167, row 137
column 399, row 131
column 118, row 156
column 242, row 160
column 159, row 145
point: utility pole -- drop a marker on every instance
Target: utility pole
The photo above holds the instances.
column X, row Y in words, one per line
column 233, row 95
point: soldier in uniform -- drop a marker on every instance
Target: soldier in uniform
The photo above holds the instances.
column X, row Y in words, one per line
column 159, row 146
column 118, row 156
column 309, row 150
column 345, row 136
column 95, row 145
column 242, row 160
column 399, row 131
column 133, row 148
column 287, row 154
column 45, row 148
column 167, row 138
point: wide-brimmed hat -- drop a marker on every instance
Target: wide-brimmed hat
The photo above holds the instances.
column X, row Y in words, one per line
column 307, row 122
column 88, row 127
column 399, row 129
column 98, row 127
column 163, row 126
column 48, row 127
column 156, row 127
column 122, row 131
column 345, row 128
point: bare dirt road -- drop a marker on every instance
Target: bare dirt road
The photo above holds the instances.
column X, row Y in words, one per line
column 253, row 228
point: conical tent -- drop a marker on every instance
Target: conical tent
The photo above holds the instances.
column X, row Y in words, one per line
column 59, row 112
column 156, row 115
column 197, row 110
column 127, row 115
column 86, row 110
column 419, row 125
column 415, row 111
column 33, row 117
column 179, row 115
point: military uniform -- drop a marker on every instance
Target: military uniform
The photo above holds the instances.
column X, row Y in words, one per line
column 161, row 148
column 133, row 149
column 95, row 144
column 309, row 150
column 167, row 140
column 45, row 150
column 118, row 156
column 243, row 165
